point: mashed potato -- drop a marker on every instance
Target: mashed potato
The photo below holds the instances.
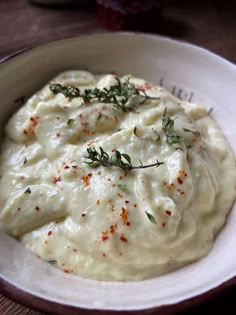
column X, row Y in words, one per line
column 139, row 215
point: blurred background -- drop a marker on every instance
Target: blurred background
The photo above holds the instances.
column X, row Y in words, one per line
column 208, row 23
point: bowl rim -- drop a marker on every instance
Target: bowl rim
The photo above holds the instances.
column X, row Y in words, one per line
column 38, row 303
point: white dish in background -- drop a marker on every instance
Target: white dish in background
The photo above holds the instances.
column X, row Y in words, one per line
column 191, row 73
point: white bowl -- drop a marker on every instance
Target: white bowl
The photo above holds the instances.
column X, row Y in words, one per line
column 188, row 71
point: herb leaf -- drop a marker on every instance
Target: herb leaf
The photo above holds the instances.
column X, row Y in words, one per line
column 52, row 261
column 27, row 191
column 157, row 135
column 121, row 186
column 151, row 217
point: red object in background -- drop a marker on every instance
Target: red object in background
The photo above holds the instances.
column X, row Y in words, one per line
column 139, row 15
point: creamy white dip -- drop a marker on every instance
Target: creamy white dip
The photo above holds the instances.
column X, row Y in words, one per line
column 106, row 223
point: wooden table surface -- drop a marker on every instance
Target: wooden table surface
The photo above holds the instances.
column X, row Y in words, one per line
column 211, row 24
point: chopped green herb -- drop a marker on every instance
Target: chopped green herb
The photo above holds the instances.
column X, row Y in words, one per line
column 28, row 191
column 52, row 261
column 151, row 217
column 157, row 135
column 121, row 186
column 25, row 161
column 70, row 121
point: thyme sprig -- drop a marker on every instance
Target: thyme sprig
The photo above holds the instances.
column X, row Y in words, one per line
column 121, row 160
column 154, row 139
column 168, row 128
column 118, row 94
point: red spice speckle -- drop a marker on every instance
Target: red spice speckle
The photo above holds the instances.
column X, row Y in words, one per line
column 163, row 224
column 58, row 135
column 126, row 201
column 135, row 206
column 85, row 180
column 56, row 179
column 74, row 250
column 66, row 167
column 37, row 208
column 98, row 202
column 124, row 215
column 120, row 195
column 49, row 233
column 104, row 255
column 168, row 212
column 83, row 215
column 123, row 238
column 18, row 209
column 180, row 181
column 105, row 238
column 25, row 132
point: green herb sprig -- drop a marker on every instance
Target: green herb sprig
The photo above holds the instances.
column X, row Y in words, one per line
column 121, row 160
column 154, row 139
column 118, row 94
column 168, row 129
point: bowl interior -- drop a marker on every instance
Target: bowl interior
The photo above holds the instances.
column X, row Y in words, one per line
column 189, row 72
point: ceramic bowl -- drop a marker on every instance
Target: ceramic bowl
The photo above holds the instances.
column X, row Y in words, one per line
column 189, row 72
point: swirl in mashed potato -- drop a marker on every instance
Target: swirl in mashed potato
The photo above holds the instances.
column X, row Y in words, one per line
column 93, row 221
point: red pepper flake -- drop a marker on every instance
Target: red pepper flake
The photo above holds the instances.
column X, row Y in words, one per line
column 66, row 167
column 104, row 255
column 66, row 270
column 49, row 233
column 135, row 206
column 25, row 132
column 85, row 180
column 58, row 135
column 19, row 209
column 74, row 250
column 114, row 185
column 105, row 238
column 180, row 181
column 109, row 179
column 80, row 115
column 126, row 201
column 168, row 212
column 128, row 223
column 83, row 215
column 120, row 195
column 98, row 202
column 123, row 238
column 113, row 228
column 90, row 175
column 120, row 177
column 56, row 179
column 180, row 191
column 37, row 208
column 63, row 264
column 74, row 166
column 163, row 224
column 124, row 215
